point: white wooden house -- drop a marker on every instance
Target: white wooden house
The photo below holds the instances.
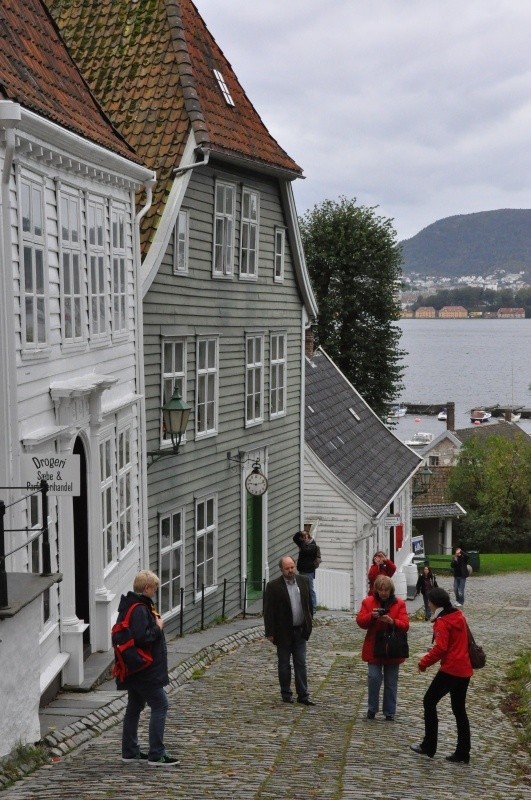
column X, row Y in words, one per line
column 71, row 384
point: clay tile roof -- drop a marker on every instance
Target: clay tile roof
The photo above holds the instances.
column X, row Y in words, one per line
column 151, row 65
column 37, row 72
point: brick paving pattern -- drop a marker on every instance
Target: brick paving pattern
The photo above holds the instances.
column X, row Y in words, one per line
column 237, row 741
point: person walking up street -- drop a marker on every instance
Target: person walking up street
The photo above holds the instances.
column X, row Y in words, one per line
column 459, row 565
column 426, row 582
column 288, row 625
column 308, row 561
column 450, row 647
column 147, row 686
column 381, row 611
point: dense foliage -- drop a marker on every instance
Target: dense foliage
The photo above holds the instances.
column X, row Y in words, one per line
column 471, row 244
column 492, row 481
column 478, row 299
column 354, row 263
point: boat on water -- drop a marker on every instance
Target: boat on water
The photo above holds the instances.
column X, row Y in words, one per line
column 420, row 439
column 442, row 415
column 480, row 415
column 397, row 411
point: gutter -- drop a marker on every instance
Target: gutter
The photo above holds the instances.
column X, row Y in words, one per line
column 206, row 158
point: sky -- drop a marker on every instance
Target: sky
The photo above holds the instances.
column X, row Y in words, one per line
column 421, row 108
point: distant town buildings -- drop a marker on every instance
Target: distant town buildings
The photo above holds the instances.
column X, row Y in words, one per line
column 453, row 312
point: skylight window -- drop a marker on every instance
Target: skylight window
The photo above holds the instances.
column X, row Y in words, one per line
column 356, row 416
column 224, row 88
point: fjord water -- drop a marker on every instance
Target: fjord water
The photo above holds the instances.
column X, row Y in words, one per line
column 472, row 362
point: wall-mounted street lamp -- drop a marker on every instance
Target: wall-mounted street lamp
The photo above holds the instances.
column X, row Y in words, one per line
column 421, row 481
column 175, row 415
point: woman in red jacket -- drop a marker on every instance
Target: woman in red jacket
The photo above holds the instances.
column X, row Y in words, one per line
column 381, row 565
column 450, row 647
column 379, row 611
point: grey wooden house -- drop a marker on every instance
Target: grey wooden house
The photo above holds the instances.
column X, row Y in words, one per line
column 226, row 301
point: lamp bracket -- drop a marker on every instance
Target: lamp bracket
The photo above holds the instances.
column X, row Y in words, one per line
column 241, row 458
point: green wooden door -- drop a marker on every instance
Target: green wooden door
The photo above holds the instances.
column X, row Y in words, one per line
column 254, row 547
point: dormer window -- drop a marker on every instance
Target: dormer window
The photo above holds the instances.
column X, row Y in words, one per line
column 224, row 88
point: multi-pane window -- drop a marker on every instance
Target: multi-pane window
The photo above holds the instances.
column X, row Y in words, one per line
column 207, row 387
column 34, row 515
column 180, row 243
column 280, row 247
column 33, row 279
column 72, row 285
column 254, row 380
column 224, row 229
column 205, row 543
column 124, row 488
column 277, row 399
column 171, row 568
column 97, row 272
column 173, row 375
column 119, row 271
column 106, row 494
column 249, row 234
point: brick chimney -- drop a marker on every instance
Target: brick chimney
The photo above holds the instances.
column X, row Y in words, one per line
column 309, row 343
column 450, row 416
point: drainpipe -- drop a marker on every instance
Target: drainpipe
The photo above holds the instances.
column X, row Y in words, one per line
column 203, row 163
column 10, row 116
column 144, row 550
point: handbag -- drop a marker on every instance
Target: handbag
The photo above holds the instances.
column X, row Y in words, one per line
column 477, row 656
column 391, row 644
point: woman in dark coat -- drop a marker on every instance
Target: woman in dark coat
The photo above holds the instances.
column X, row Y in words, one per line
column 425, row 584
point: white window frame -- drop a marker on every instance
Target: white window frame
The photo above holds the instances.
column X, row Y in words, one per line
column 224, row 88
column 32, row 244
column 181, row 244
column 119, row 271
column 207, row 387
column 124, row 497
column 279, row 255
column 254, row 379
column 107, row 447
column 169, row 553
column 249, row 233
column 224, row 225
column 209, row 531
column 174, row 374
column 34, row 555
column 72, row 267
column 98, row 277
column 278, row 374
column 117, row 485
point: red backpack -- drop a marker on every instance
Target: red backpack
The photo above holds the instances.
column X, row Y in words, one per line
column 128, row 657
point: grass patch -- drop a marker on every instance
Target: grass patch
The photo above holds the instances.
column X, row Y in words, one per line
column 198, row 673
column 23, row 760
column 517, row 702
column 489, row 563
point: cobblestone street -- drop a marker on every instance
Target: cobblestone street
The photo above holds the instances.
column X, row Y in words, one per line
column 236, row 740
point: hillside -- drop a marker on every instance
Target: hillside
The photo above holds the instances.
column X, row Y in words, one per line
column 471, row 244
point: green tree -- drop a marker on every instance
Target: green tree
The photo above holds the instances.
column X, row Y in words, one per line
column 354, row 263
column 492, row 481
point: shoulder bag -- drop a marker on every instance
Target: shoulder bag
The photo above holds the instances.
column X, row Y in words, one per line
column 391, row 644
column 477, row 656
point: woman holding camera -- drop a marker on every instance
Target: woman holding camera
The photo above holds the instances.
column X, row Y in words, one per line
column 381, row 611
column 381, row 565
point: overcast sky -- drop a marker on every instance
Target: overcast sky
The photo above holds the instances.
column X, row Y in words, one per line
column 419, row 107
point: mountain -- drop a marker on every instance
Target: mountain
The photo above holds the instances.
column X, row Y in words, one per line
column 471, row 244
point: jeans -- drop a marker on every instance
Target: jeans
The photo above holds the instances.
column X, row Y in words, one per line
column 442, row 684
column 389, row 674
column 427, row 609
column 459, row 590
column 310, row 577
column 296, row 649
column 137, row 698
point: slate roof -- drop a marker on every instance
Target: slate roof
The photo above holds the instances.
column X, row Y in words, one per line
column 151, row 64
column 507, row 430
column 37, row 72
column 363, row 453
column 437, row 510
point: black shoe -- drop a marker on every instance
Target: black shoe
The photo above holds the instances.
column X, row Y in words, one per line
column 140, row 756
column 287, row 699
column 165, row 761
column 389, row 718
column 417, row 748
column 306, row 701
column 457, row 759
column 371, row 714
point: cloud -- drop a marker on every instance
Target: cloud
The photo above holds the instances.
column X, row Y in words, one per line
column 421, row 107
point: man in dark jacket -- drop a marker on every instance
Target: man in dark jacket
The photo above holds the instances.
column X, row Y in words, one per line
column 288, row 625
column 459, row 565
column 308, row 561
column 148, row 685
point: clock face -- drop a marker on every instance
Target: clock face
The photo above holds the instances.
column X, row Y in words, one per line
column 256, row 483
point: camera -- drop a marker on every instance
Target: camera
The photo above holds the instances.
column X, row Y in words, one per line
column 380, row 611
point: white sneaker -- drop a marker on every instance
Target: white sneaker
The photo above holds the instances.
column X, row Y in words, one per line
column 457, row 605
